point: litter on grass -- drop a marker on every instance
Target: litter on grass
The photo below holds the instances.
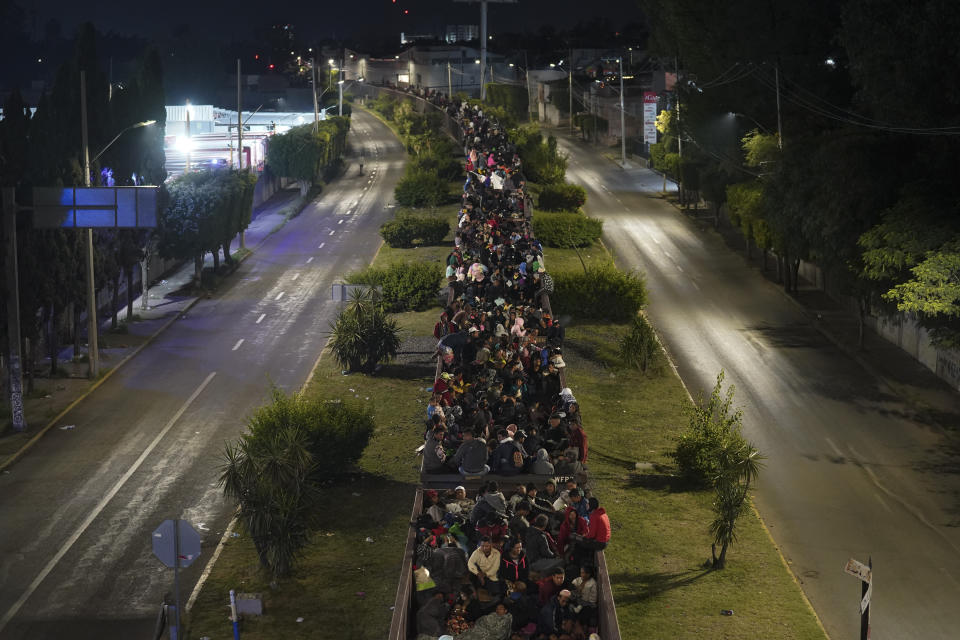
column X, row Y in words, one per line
column 67, row 427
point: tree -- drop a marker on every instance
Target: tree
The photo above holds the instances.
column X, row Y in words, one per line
column 363, row 334
column 713, row 453
column 269, row 477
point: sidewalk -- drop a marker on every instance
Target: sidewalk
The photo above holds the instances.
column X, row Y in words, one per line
column 168, row 299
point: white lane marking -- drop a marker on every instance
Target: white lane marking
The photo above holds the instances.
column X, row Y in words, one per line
column 655, row 241
column 835, row 448
column 8, row 616
column 695, row 285
column 909, row 506
column 279, row 295
column 296, row 275
column 340, row 221
column 310, row 259
column 333, row 232
column 667, row 253
column 321, row 245
column 237, row 346
column 679, row 268
column 260, row 319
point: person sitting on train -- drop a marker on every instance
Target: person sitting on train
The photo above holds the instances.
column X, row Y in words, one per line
column 550, row 585
column 541, row 549
column 513, row 563
column 484, row 566
column 538, row 504
column 585, row 595
column 568, row 465
column 541, row 464
column 597, row 536
column 553, row 614
column 434, row 455
column 471, row 456
column 519, row 523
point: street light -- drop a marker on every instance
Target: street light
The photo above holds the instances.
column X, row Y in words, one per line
column 733, row 114
column 145, row 123
column 93, row 355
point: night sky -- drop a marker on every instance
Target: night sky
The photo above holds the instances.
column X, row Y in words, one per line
column 240, row 19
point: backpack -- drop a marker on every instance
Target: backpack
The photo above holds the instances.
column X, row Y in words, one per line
column 517, row 459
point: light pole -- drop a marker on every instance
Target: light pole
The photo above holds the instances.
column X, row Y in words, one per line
column 623, row 119
column 93, row 355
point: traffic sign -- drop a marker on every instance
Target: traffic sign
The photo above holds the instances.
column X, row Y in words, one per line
column 165, row 546
column 859, row 570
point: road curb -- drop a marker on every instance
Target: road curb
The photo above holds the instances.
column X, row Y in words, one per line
column 106, row 376
column 753, row 507
column 786, row 566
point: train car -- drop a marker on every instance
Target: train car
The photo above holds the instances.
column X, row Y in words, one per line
column 493, row 175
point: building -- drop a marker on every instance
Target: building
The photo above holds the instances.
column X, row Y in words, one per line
column 429, row 67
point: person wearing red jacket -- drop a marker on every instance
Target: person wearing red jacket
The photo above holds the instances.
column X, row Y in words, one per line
column 578, row 439
column 572, row 524
column 597, row 536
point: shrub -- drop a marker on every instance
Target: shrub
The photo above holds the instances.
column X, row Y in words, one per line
column 336, row 433
column 511, row 98
column 713, row 426
column 542, row 162
column 419, row 188
column 603, row 293
column 562, row 196
column 439, row 161
column 566, row 229
column 408, row 230
column 409, row 286
column 274, row 471
column 640, row 347
column 363, row 335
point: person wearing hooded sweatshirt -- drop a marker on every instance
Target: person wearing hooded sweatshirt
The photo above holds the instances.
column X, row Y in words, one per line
column 597, row 536
column 542, row 465
column 513, row 564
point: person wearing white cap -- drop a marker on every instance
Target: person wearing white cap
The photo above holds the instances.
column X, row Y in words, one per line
column 554, row 613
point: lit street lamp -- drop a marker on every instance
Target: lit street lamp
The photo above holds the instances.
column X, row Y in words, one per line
column 93, row 355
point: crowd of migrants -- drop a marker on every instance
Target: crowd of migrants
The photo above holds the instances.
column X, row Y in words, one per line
column 492, row 566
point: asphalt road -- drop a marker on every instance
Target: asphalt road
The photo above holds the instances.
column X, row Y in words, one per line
column 852, row 471
column 78, row 510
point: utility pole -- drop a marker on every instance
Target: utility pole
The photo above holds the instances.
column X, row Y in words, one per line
column 14, row 369
column 341, row 75
column 776, row 71
column 449, row 81
column 187, row 170
column 623, row 118
column 526, row 69
column 483, row 40
column 313, row 87
column 243, row 232
column 570, row 87
column 676, row 65
column 93, row 348
column 483, row 48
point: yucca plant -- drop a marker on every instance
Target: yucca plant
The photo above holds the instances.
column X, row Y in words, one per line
column 640, row 347
column 363, row 334
column 269, row 476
